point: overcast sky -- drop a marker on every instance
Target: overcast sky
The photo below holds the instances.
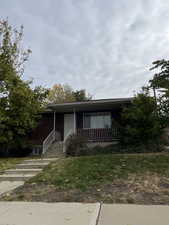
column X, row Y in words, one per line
column 103, row 46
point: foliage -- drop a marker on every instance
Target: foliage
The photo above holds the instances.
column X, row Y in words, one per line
column 64, row 93
column 81, row 95
column 19, row 104
column 7, row 163
column 160, row 84
column 98, row 149
column 151, row 147
column 76, row 145
column 140, row 120
column 91, row 171
column 161, row 79
column 60, row 93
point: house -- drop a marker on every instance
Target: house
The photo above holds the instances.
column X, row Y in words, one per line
column 97, row 120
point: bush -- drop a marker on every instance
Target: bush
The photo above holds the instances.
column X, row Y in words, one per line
column 98, row 149
column 76, row 145
column 150, row 147
column 118, row 149
column 140, row 122
column 15, row 152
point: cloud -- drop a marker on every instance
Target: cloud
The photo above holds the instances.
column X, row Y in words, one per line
column 106, row 47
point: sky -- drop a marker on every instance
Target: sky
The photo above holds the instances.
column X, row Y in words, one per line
column 103, row 46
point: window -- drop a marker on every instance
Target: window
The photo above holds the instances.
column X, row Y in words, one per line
column 97, row 120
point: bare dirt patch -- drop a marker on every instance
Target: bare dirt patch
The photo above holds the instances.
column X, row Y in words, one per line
column 147, row 189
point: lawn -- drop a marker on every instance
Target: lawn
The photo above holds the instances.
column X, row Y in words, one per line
column 7, row 163
column 122, row 178
column 85, row 172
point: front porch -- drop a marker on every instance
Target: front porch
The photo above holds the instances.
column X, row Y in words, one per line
column 97, row 120
column 95, row 126
column 99, row 134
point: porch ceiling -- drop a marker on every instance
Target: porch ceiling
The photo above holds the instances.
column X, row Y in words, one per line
column 92, row 105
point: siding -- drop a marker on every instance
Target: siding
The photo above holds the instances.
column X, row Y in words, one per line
column 45, row 126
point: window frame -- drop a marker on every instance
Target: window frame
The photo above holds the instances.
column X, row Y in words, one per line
column 90, row 113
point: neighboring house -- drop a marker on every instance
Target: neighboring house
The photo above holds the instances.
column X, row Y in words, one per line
column 97, row 120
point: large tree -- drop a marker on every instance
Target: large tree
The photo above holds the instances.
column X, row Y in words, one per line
column 81, row 95
column 140, row 120
column 160, row 86
column 19, row 103
column 60, row 93
column 64, row 93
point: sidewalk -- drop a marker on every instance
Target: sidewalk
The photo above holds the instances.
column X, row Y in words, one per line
column 37, row 213
column 116, row 214
column 31, row 213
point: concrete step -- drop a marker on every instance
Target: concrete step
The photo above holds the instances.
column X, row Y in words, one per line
column 56, row 154
column 52, row 156
column 43, row 160
column 31, row 165
column 15, row 177
column 23, row 171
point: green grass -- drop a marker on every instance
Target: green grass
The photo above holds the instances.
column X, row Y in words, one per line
column 7, row 163
column 84, row 172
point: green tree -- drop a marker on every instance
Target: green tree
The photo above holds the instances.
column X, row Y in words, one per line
column 19, row 104
column 60, row 94
column 140, row 120
column 80, row 95
column 161, row 79
column 64, row 93
column 160, row 86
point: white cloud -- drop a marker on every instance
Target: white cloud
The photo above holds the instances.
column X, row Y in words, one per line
column 105, row 47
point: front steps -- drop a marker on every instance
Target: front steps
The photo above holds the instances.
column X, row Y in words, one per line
column 31, row 165
column 55, row 150
column 41, row 160
column 15, row 177
column 23, row 171
column 26, row 170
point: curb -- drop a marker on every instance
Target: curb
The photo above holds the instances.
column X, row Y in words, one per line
column 95, row 218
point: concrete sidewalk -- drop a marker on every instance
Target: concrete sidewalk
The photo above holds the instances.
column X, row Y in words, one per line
column 116, row 214
column 34, row 213
column 29, row 213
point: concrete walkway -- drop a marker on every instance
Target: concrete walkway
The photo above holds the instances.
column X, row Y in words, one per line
column 21, row 172
column 24, row 213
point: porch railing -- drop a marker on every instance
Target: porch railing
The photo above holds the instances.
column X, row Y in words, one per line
column 53, row 135
column 99, row 134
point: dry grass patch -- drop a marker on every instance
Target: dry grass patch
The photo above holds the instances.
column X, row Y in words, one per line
column 138, row 178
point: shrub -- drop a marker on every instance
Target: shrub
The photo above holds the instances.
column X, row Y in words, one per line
column 76, row 145
column 140, row 122
column 98, row 149
column 118, row 149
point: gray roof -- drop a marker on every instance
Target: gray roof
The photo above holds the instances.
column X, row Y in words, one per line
column 99, row 104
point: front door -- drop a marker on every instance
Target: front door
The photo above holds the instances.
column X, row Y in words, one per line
column 68, row 124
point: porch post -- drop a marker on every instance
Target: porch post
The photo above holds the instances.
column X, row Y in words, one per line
column 74, row 120
column 54, row 120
